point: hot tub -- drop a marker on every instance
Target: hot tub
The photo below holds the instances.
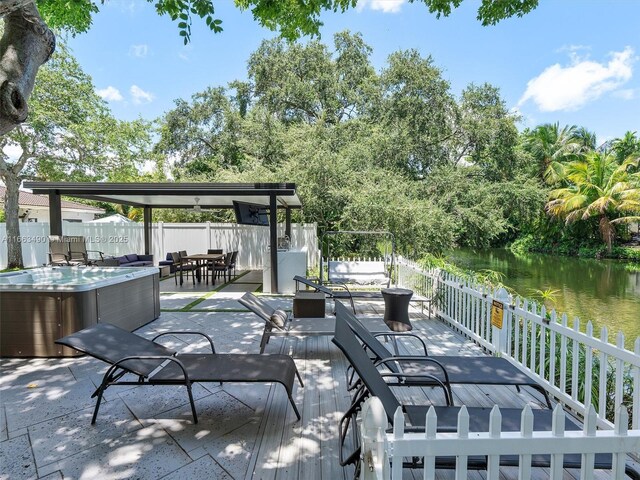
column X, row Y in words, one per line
column 40, row 305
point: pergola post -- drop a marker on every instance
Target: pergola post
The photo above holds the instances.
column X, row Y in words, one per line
column 287, row 223
column 147, row 230
column 55, row 214
column 273, row 241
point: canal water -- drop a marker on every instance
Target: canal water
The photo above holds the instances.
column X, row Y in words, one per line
column 602, row 291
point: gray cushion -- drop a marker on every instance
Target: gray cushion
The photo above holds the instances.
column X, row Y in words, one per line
column 140, row 263
column 132, row 257
column 279, row 319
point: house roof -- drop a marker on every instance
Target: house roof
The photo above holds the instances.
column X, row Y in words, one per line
column 27, row 199
column 115, row 218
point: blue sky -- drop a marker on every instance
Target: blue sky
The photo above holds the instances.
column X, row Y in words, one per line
column 570, row 61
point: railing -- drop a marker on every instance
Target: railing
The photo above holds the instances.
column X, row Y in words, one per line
column 578, row 369
column 383, row 452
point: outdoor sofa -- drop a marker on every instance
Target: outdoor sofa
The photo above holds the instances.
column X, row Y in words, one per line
column 129, row 260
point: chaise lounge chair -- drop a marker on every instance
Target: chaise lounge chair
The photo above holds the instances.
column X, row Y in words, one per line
column 155, row 364
column 277, row 322
column 374, row 384
column 476, row 370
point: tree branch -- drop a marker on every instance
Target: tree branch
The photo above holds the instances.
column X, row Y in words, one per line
column 26, row 44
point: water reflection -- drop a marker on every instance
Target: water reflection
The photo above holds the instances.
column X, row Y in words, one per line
column 602, row 291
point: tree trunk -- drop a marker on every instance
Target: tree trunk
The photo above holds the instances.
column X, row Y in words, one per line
column 607, row 232
column 26, row 44
column 11, row 207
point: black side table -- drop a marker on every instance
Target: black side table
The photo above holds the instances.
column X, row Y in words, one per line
column 396, row 308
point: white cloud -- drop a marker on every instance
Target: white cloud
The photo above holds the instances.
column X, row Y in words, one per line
column 571, row 87
column 139, row 51
column 12, row 151
column 385, row 6
column 140, row 96
column 110, row 94
column 626, row 94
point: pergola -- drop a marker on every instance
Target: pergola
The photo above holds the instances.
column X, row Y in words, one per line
column 148, row 196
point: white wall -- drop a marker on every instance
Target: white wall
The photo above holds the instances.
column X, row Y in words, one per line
column 41, row 215
column 119, row 239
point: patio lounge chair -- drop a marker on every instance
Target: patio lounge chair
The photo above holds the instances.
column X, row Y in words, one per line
column 476, row 370
column 155, row 364
column 280, row 323
column 374, row 384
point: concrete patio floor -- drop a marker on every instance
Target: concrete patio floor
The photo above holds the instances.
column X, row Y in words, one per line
column 244, row 430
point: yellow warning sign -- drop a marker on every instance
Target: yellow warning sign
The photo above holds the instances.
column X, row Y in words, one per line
column 497, row 309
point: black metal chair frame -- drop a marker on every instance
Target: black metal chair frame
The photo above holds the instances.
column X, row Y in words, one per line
column 372, row 383
column 264, row 311
column 145, row 371
column 485, row 369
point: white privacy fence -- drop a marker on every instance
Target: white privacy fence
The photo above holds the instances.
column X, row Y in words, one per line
column 383, row 452
column 116, row 239
column 579, row 369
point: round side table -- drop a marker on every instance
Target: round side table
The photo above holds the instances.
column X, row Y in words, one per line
column 396, row 308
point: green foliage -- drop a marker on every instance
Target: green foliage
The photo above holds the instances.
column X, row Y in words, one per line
column 633, row 268
column 390, row 150
column 578, row 388
column 76, row 16
column 490, row 133
column 367, row 151
column 490, row 12
column 70, row 135
column 292, row 19
column 598, row 186
column 548, row 296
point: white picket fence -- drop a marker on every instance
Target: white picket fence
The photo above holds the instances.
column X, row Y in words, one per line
column 383, row 452
column 575, row 367
column 119, row 239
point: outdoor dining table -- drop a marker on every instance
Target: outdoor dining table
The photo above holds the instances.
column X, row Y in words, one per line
column 201, row 260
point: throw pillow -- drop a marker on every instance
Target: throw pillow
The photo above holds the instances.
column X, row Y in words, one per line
column 279, row 319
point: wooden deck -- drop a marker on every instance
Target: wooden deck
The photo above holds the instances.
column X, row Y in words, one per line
column 246, row 431
column 310, row 450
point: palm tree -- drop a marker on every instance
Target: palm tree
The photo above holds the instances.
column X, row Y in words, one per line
column 132, row 213
column 598, row 186
column 626, row 146
column 552, row 146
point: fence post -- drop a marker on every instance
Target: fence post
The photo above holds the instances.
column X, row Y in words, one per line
column 499, row 319
column 374, row 462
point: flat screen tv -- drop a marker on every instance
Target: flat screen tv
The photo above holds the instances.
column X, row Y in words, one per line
column 250, row 214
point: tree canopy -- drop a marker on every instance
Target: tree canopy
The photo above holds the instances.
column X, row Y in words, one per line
column 70, row 134
column 28, row 41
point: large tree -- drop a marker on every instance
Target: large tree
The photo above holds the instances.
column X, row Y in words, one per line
column 418, row 113
column 600, row 187
column 70, row 135
column 28, row 41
